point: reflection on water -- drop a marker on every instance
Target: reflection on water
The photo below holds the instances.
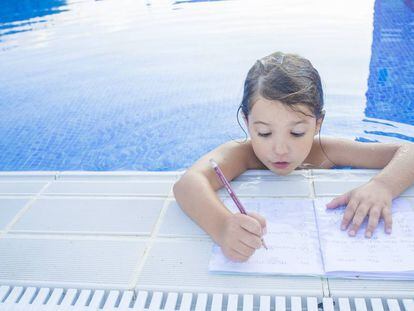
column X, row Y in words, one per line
column 127, row 84
column 194, row 1
column 19, row 16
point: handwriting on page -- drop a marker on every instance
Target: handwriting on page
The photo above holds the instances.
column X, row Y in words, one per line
column 292, row 239
column 298, row 242
column 382, row 252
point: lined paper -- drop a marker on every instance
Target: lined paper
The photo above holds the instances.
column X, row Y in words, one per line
column 383, row 253
column 304, row 238
column 292, row 239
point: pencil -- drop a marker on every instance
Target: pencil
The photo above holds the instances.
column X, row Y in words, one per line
column 226, row 184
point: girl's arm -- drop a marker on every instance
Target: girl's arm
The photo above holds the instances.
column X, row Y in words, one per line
column 238, row 235
column 374, row 198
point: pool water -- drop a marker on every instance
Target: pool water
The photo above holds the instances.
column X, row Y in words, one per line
column 153, row 85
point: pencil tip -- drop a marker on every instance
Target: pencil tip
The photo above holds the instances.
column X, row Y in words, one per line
column 264, row 244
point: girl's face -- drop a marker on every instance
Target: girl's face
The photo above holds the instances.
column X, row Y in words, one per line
column 281, row 137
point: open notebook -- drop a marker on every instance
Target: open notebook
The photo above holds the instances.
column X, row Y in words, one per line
column 304, row 238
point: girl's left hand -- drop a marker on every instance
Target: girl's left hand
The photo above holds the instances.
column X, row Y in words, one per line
column 372, row 199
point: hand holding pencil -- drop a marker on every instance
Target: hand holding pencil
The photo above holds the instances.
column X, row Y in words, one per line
column 242, row 233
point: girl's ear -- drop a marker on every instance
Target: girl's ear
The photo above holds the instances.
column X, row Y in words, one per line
column 319, row 122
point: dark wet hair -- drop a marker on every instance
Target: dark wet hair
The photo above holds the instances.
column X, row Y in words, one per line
column 288, row 78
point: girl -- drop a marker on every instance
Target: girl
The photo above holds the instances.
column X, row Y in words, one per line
column 282, row 108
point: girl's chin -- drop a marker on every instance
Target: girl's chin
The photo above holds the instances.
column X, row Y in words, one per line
column 282, row 171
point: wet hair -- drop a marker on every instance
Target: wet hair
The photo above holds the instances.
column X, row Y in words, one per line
column 288, row 78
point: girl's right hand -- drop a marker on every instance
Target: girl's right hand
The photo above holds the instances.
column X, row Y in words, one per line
column 242, row 235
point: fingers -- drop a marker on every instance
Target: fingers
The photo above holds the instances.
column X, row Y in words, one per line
column 349, row 214
column 250, row 239
column 338, row 201
column 359, row 216
column 240, row 251
column 387, row 216
column 245, row 247
column 260, row 219
column 242, row 236
column 374, row 216
column 355, row 215
column 372, row 199
column 251, row 236
column 252, row 223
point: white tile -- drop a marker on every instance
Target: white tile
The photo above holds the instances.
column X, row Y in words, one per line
column 266, row 183
column 269, row 175
column 273, row 187
column 336, row 182
column 344, row 173
column 118, row 176
column 335, row 187
column 379, row 288
column 91, row 215
column 69, row 263
column 176, row 222
column 182, row 265
column 328, row 187
column 9, row 207
column 21, row 187
column 141, row 188
column 28, row 176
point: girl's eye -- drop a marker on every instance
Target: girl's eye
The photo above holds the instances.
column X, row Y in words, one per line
column 263, row 134
column 297, row 134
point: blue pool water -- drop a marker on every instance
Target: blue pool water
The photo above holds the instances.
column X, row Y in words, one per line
column 153, row 85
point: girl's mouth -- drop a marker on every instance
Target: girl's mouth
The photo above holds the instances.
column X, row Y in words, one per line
column 280, row 165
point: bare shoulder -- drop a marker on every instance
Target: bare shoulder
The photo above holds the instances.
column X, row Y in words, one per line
column 234, row 153
column 233, row 157
column 252, row 162
column 329, row 151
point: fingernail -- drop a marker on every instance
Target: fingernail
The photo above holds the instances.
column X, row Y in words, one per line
column 388, row 230
column 343, row 227
column 368, row 234
column 352, row 233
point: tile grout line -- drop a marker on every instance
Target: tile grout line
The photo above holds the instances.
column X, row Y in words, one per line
column 101, row 196
column 324, row 280
column 24, row 210
column 67, row 235
column 139, row 267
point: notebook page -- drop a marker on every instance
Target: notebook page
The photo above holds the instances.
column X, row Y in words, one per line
column 358, row 256
column 292, row 240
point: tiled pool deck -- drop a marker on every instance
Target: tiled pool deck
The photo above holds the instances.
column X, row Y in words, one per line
column 124, row 230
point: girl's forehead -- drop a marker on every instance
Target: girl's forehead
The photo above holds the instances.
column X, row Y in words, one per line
column 272, row 110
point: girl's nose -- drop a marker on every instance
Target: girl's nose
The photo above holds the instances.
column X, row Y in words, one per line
column 280, row 148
